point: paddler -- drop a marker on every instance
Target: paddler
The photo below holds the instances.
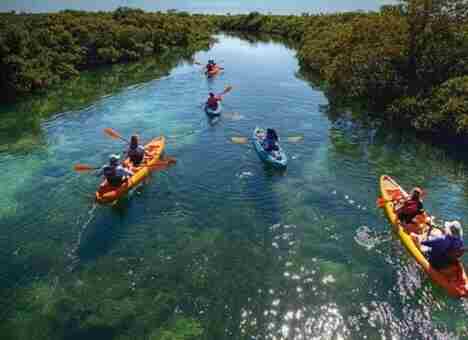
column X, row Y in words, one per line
column 210, row 67
column 270, row 143
column 411, row 208
column 114, row 172
column 445, row 249
column 135, row 152
column 213, row 101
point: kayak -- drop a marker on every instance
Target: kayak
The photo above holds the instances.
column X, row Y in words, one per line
column 213, row 72
column 277, row 159
column 453, row 279
column 211, row 112
column 153, row 150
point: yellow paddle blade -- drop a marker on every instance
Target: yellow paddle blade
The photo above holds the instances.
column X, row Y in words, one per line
column 295, row 139
column 84, row 167
column 112, row 133
column 239, row 140
column 163, row 164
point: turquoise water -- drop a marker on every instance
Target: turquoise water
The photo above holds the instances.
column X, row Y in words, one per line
column 198, row 6
column 245, row 251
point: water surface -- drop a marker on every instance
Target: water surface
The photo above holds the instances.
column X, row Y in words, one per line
column 249, row 252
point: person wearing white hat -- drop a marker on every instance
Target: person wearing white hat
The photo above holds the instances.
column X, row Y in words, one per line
column 447, row 248
column 115, row 173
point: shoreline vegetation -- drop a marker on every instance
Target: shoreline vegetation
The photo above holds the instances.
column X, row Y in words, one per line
column 409, row 62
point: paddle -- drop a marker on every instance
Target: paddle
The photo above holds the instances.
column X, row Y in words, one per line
column 84, row 168
column 115, row 135
column 245, row 140
column 158, row 166
column 227, row 89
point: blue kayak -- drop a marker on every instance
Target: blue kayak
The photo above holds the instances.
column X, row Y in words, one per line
column 276, row 158
column 211, row 112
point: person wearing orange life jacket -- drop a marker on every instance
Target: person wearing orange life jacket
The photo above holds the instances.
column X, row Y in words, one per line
column 135, row 152
column 213, row 101
column 411, row 207
column 115, row 173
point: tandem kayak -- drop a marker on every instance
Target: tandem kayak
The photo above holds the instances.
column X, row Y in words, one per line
column 277, row 158
column 153, row 151
column 453, row 279
column 213, row 113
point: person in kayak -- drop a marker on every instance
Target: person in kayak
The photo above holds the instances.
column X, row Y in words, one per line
column 115, row 173
column 445, row 249
column 270, row 143
column 213, row 101
column 411, row 208
column 211, row 66
column 135, row 152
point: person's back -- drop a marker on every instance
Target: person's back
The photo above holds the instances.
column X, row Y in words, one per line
column 411, row 207
column 135, row 152
column 114, row 173
column 447, row 248
column 269, row 143
column 213, row 102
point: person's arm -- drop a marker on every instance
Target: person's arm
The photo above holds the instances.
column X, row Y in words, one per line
column 100, row 172
column 432, row 242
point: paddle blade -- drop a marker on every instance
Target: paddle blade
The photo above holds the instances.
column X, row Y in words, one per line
column 84, row 168
column 380, row 202
column 164, row 164
column 239, row 140
column 227, row 89
column 295, row 139
column 112, row 133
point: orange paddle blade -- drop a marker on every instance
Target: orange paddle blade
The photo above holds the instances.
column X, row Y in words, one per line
column 84, row 167
column 380, row 202
column 112, row 133
column 163, row 164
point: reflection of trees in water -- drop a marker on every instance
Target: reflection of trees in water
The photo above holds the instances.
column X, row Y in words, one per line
column 258, row 37
column 20, row 127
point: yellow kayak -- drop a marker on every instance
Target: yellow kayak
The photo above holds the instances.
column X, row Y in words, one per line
column 153, row 151
column 453, row 279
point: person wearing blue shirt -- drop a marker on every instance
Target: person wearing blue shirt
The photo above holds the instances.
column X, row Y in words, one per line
column 115, row 173
column 446, row 248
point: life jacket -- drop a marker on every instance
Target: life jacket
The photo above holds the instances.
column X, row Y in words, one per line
column 212, row 103
column 110, row 174
column 136, row 155
column 410, row 208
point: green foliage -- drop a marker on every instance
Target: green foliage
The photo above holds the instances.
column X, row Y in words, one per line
column 407, row 60
column 37, row 51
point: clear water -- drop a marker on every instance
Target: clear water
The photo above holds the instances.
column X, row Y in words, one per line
column 198, row 6
column 301, row 254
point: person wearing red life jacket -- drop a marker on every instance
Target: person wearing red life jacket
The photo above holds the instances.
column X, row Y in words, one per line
column 213, row 101
column 411, row 208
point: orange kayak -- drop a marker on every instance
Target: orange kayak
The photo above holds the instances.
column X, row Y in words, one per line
column 453, row 279
column 108, row 193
